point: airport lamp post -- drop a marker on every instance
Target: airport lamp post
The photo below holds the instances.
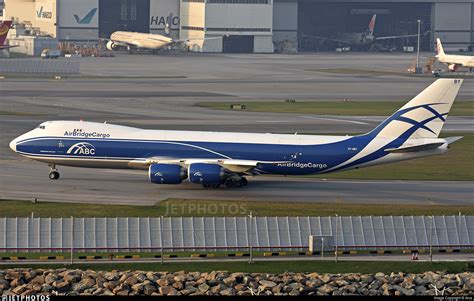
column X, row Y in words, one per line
column 250, row 238
column 335, row 241
column 418, row 48
column 161, row 238
column 431, row 238
column 72, row 240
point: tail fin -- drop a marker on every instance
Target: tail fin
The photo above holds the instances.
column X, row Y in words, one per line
column 439, row 47
column 372, row 25
column 424, row 115
column 4, row 28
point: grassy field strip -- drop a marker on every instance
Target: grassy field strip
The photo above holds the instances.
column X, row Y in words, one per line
column 272, row 267
column 189, row 207
column 350, row 107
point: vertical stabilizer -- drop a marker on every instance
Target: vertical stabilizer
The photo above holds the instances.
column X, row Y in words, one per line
column 424, row 115
column 372, row 25
column 4, row 28
column 439, row 47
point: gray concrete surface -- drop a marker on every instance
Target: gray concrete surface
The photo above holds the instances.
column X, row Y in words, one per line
column 162, row 96
column 25, row 180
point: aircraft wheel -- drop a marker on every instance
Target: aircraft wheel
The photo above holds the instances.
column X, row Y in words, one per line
column 54, row 175
column 206, row 185
column 238, row 183
column 229, row 183
column 243, row 182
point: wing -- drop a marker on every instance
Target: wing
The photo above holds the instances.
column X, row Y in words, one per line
column 198, row 39
column 403, row 36
column 7, row 47
column 233, row 165
column 395, row 37
column 325, row 38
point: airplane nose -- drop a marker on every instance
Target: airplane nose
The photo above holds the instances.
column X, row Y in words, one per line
column 13, row 144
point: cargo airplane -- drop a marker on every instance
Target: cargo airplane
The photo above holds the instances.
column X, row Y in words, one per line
column 359, row 39
column 4, row 28
column 218, row 158
column 453, row 60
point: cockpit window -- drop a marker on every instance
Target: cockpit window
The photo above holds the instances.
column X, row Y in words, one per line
column 41, row 127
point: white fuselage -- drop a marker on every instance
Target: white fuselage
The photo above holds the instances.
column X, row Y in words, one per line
column 140, row 40
column 454, row 59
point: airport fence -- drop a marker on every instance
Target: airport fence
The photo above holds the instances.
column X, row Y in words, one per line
column 27, row 66
column 210, row 234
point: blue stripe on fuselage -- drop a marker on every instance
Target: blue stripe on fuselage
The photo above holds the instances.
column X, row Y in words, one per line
column 306, row 159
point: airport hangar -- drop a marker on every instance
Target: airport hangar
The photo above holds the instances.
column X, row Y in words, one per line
column 251, row 25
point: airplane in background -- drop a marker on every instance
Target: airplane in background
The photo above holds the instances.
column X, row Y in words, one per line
column 218, row 158
column 359, row 39
column 4, row 28
column 134, row 40
column 453, row 60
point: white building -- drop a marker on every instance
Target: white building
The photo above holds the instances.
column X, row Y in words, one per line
column 249, row 25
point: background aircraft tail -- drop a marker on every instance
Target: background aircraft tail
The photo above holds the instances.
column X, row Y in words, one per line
column 439, row 47
column 372, row 25
column 424, row 115
column 4, row 28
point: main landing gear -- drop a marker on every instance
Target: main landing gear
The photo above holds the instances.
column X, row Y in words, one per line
column 53, row 174
column 235, row 182
column 230, row 182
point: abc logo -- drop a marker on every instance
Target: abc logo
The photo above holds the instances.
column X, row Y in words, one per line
column 82, row 148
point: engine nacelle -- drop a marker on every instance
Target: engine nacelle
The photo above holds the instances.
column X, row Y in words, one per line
column 206, row 173
column 110, row 45
column 453, row 67
column 166, row 173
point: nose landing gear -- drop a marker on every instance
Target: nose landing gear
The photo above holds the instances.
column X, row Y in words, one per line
column 53, row 174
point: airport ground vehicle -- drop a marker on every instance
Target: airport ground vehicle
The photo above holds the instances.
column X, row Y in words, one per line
column 50, row 54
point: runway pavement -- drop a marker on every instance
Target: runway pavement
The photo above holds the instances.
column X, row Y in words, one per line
column 30, row 180
column 163, row 96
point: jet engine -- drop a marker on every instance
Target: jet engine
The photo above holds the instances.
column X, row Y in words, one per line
column 166, row 173
column 206, row 173
column 453, row 67
column 110, row 45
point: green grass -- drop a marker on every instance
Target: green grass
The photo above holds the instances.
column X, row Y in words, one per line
column 191, row 207
column 336, row 107
column 275, row 267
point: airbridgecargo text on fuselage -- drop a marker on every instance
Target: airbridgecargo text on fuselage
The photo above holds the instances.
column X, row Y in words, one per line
column 80, row 133
column 304, row 165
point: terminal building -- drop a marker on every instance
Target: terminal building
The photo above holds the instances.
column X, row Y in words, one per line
column 252, row 25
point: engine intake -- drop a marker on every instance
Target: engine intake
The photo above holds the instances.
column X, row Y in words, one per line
column 166, row 173
column 205, row 173
column 110, row 45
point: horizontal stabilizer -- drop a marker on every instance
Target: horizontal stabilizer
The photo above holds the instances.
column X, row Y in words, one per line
column 453, row 139
column 415, row 148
